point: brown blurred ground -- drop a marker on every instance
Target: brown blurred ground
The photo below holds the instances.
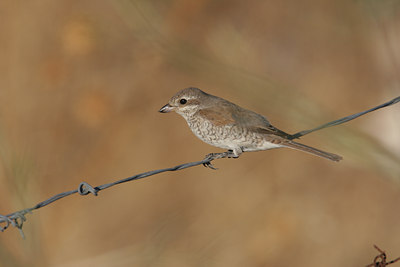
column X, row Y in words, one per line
column 80, row 86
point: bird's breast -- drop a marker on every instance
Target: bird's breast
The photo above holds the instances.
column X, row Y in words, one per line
column 228, row 136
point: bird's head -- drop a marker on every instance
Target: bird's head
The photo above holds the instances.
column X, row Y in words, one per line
column 186, row 102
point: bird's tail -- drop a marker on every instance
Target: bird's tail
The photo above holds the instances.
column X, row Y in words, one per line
column 312, row 150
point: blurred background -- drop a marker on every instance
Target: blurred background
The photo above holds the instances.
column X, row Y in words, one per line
column 80, row 86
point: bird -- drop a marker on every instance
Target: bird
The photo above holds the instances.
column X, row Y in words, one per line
column 223, row 124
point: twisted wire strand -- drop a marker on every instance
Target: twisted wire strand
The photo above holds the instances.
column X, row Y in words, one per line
column 17, row 219
column 345, row 119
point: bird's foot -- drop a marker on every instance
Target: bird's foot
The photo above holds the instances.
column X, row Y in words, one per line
column 212, row 156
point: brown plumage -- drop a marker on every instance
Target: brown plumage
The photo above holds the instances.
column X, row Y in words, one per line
column 221, row 123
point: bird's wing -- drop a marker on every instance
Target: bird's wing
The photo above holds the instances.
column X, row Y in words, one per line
column 223, row 112
column 227, row 113
column 258, row 123
column 272, row 131
column 218, row 115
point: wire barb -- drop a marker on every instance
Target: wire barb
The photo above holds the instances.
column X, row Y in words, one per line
column 85, row 188
column 5, row 222
column 380, row 260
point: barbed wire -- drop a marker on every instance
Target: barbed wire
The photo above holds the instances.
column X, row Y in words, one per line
column 380, row 260
column 345, row 119
column 17, row 219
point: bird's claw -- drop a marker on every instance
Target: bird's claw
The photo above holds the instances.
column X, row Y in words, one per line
column 209, row 165
column 212, row 156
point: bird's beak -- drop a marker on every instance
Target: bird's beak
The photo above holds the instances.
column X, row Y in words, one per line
column 167, row 108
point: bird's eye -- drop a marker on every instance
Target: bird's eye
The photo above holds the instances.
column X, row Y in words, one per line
column 183, row 101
